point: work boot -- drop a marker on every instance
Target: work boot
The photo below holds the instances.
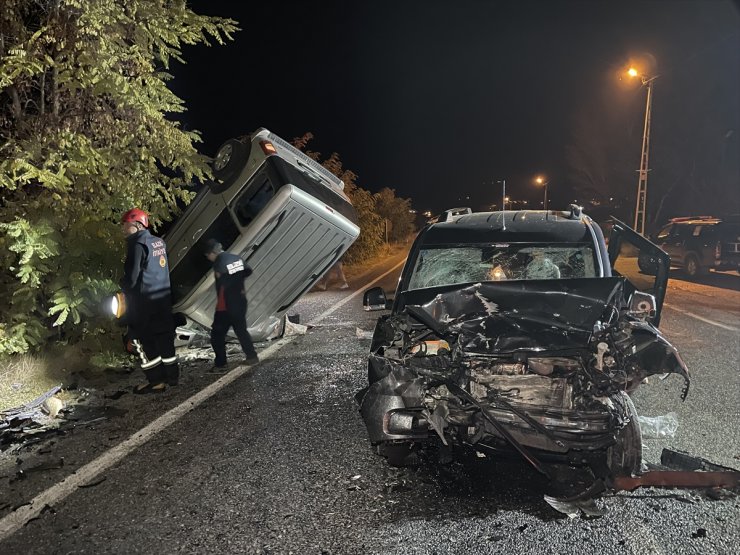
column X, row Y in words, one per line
column 251, row 360
column 149, row 387
column 172, row 374
column 219, row 368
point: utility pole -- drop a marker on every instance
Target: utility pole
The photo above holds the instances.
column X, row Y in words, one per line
column 503, row 199
column 641, row 203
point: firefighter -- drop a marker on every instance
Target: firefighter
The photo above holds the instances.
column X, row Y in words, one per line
column 146, row 285
column 231, row 304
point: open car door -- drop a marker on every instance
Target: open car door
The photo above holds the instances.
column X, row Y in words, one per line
column 644, row 264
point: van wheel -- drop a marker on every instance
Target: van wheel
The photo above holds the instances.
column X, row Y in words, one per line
column 227, row 164
column 692, row 266
column 625, row 456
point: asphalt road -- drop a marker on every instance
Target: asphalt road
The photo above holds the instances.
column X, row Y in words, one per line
column 278, row 461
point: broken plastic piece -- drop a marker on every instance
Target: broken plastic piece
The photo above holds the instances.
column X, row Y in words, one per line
column 52, row 406
column 658, row 427
column 573, row 508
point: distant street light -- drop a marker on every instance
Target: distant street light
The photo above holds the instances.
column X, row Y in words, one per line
column 641, row 203
column 544, row 182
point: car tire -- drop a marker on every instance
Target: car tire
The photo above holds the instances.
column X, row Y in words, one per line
column 625, row 456
column 647, row 265
column 692, row 267
column 227, row 164
column 398, row 454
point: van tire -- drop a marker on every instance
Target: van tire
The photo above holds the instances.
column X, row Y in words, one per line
column 227, row 164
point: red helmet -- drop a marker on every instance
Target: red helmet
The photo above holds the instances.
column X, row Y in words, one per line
column 136, row 215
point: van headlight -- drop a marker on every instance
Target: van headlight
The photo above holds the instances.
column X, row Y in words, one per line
column 118, row 304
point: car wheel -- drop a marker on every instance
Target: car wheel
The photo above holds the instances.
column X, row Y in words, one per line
column 398, row 454
column 692, row 266
column 227, row 164
column 625, row 456
column 647, row 265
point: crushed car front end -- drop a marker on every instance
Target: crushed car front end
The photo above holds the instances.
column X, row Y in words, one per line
column 538, row 368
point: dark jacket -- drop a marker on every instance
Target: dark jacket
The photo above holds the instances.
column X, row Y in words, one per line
column 231, row 271
column 146, row 280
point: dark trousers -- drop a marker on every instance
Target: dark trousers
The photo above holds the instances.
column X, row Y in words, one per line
column 156, row 352
column 222, row 321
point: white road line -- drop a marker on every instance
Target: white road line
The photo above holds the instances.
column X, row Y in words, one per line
column 707, row 320
column 84, row 475
column 353, row 295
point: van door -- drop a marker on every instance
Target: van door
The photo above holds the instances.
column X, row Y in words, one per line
column 643, row 263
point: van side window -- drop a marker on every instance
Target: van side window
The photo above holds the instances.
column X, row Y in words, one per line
column 194, row 265
column 254, row 199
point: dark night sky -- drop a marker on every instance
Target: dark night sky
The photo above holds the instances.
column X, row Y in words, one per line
column 438, row 99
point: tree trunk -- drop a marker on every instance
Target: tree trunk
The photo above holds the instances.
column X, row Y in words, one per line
column 54, row 91
column 42, row 102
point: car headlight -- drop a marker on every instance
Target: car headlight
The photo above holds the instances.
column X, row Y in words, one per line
column 118, row 304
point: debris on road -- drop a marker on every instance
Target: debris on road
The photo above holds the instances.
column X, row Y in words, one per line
column 681, row 470
column 573, row 508
column 34, row 417
column 658, row 427
column 52, row 406
column 363, row 334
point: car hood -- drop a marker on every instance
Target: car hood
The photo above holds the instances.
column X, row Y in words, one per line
column 517, row 315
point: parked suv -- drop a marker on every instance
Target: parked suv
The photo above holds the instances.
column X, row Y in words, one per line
column 281, row 211
column 518, row 331
column 698, row 244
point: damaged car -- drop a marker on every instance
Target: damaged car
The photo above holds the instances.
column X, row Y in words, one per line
column 519, row 331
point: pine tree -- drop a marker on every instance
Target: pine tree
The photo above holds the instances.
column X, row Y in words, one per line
column 85, row 134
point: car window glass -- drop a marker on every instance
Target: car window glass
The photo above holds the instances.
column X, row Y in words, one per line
column 665, row 232
column 256, row 195
column 680, row 231
column 194, row 265
column 520, row 261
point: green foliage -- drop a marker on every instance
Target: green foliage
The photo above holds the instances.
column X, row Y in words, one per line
column 397, row 212
column 84, row 136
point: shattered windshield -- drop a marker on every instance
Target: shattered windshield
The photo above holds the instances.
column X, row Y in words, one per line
column 451, row 264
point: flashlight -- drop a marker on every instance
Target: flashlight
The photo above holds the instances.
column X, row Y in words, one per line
column 118, row 304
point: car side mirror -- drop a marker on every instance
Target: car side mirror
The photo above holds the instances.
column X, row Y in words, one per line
column 642, row 305
column 374, row 299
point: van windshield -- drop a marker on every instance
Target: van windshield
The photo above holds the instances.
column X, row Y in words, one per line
column 452, row 264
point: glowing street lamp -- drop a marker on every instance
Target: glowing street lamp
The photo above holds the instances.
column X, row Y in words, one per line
column 544, row 182
column 641, row 203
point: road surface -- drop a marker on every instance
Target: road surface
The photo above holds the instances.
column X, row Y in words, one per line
column 278, row 461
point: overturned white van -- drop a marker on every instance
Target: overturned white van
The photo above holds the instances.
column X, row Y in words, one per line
column 282, row 212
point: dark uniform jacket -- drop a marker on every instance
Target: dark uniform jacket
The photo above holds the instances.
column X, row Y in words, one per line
column 231, row 271
column 146, row 283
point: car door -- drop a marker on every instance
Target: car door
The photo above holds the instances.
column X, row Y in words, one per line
column 643, row 263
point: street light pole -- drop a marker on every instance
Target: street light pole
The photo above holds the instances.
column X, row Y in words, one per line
column 544, row 182
column 641, row 203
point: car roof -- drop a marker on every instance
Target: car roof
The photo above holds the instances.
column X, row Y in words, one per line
column 516, row 226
